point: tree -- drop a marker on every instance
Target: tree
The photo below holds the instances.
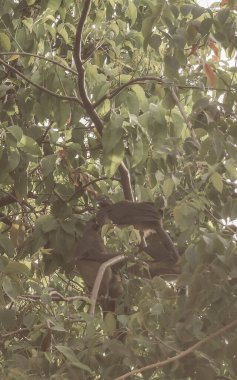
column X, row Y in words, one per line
column 133, row 100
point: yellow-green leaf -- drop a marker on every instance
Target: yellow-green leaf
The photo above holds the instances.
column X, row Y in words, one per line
column 131, row 12
column 5, row 42
column 114, row 159
column 168, row 187
column 217, row 182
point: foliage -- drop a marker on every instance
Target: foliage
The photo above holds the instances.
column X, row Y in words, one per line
column 166, row 97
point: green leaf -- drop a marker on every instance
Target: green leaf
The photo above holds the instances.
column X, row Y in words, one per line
column 140, row 93
column 13, row 159
column 137, row 156
column 47, row 223
column 231, row 169
column 11, row 287
column 131, row 12
column 28, row 22
column 112, row 133
column 178, row 122
column 8, row 319
column 110, row 323
column 16, row 132
column 114, row 159
column 17, row 268
column 158, row 113
column 205, row 26
column 62, row 113
column 217, row 181
column 5, row 42
column 48, row 164
column 21, row 184
column 54, row 4
column 70, row 355
column 7, row 245
column 29, row 145
column 132, row 103
column 62, row 31
column 168, row 187
column 184, row 216
column 171, row 66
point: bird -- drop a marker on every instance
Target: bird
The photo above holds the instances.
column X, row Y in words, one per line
column 142, row 215
column 161, row 252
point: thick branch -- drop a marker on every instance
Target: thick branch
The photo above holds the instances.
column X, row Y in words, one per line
column 124, row 173
column 99, row 278
column 81, row 71
column 181, row 355
column 41, row 88
column 5, row 219
column 7, row 200
column 11, row 198
column 126, row 182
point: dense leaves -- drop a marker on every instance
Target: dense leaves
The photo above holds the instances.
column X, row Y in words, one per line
column 162, row 78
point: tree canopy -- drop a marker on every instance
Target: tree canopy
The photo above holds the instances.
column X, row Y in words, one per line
column 129, row 100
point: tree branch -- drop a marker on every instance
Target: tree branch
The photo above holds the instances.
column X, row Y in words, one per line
column 40, row 57
column 150, row 78
column 5, row 219
column 167, row 241
column 55, row 296
column 182, row 111
column 7, row 200
column 41, row 88
column 96, row 287
column 181, row 355
column 11, row 198
column 131, row 82
column 124, row 173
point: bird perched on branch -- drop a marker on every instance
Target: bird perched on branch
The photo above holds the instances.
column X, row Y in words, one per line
column 159, row 251
column 142, row 215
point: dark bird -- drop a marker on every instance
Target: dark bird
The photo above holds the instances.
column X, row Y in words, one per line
column 142, row 215
column 159, row 251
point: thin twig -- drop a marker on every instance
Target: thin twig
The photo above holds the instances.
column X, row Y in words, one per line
column 98, row 179
column 181, row 355
column 15, row 332
column 167, row 345
column 55, row 296
column 40, row 57
column 162, row 81
column 41, row 88
column 182, row 111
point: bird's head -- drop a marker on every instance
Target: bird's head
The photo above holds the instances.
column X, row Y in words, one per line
column 103, row 201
